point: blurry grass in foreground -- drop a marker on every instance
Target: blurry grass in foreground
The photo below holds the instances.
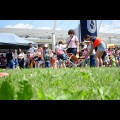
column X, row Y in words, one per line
column 61, row 84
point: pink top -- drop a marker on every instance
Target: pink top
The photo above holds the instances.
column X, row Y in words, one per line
column 72, row 44
column 109, row 52
column 40, row 52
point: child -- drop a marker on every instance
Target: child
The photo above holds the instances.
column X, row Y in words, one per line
column 46, row 55
column 36, row 57
column 40, row 56
column 53, row 61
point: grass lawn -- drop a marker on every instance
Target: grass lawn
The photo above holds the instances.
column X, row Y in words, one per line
column 61, row 84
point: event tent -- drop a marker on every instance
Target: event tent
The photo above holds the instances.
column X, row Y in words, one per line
column 12, row 41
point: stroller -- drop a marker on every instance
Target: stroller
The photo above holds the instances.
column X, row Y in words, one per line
column 74, row 61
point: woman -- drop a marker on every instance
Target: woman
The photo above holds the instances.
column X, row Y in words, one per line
column 96, row 42
column 72, row 42
column 40, row 56
column 36, row 59
column 60, row 52
column 21, row 58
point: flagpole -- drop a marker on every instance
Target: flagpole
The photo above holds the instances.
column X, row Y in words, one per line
column 79, row 30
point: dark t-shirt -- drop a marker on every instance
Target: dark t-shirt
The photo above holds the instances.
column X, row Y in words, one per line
column 9, row 56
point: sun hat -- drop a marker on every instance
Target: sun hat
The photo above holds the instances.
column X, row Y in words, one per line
column 46, row 45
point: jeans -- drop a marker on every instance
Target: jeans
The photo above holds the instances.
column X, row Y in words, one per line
column 11, row 64
column 21, row 63
column 92, row 61
column 47, row 64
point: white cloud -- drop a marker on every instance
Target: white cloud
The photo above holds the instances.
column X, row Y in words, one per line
column 44, row 28
column 20, row 25
column 59, row 29
column 113, row 27
column 48, row 28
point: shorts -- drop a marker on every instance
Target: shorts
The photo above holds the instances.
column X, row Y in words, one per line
column 101, row 47
column 62, row 57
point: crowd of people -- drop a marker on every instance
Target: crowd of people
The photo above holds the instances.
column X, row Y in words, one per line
column 93, row 49
column 97, row 55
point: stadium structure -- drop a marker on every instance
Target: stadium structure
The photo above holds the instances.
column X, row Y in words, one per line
column 45, row 36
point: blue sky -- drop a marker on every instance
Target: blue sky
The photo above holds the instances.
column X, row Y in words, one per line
column 107, row 26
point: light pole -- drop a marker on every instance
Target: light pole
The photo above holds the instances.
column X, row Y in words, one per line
column 110, row 40
column 53, row 36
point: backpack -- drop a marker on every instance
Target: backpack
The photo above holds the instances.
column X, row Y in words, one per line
column 59, row 51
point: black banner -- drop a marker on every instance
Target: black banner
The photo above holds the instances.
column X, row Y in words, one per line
column 88, row 27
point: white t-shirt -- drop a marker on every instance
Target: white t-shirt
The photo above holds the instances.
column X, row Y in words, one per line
column 60, row 46
column 89, row 47
column 21, row 55
column 31, row 50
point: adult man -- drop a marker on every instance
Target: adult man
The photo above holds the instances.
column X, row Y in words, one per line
column 10, row 61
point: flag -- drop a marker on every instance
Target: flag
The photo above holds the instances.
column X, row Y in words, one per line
column 88, row 27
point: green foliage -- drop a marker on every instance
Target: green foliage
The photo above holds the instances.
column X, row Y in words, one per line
column 61, row 84
column 6, row 90
column 25, row 91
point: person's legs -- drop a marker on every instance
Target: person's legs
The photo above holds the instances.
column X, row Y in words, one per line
column 99, row 54
column 45, row 64
column 92, row 61
column 9, row 65
column 64, row 59
column 98, row 58
column 12, row 64
column 21, row 63
column 48, row 64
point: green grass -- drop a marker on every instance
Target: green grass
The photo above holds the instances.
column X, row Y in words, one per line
column 61, row 84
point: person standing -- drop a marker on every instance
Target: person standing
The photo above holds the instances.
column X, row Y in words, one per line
column 60, row 52
column 40, row 56
column 21, row 58
column 72, row 42
column 46, row 54
column 10, row 60
column 96, row 42
column 92, row 56
column 31, row 49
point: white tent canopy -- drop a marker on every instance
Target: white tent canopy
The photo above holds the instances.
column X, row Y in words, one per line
column 10, row 39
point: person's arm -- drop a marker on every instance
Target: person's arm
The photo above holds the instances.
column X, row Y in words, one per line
column 23, row 55
column 91, row 49
column 67, row 43
column 42, row 52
